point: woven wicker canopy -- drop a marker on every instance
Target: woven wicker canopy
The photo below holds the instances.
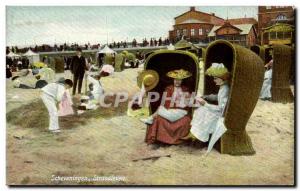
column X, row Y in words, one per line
column 265, row 53
column 247, row 74
column 283, row 60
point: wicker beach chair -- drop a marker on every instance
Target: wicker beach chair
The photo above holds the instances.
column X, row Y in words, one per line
column 57, row 64
column 283, row 59
column 247, row 74
column 263, row 52
column 119, row 63
column 109, row 59
column 147, row 54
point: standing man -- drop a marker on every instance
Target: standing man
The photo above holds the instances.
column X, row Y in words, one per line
column 78, row 67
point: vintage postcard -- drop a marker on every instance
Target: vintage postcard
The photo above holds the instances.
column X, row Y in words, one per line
column 150, row 95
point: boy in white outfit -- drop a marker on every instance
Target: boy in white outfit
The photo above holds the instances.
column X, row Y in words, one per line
column 52, row 94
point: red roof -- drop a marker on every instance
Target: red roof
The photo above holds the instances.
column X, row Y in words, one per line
column 241, row 21
column 228, row 24
column 212, row 15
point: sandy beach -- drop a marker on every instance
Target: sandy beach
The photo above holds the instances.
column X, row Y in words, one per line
column 107, row 147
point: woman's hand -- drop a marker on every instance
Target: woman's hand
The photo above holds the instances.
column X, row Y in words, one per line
column 201, row 101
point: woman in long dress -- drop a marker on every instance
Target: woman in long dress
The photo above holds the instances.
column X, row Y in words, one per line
column 208, row 118
column 171, row 121
column 265, row 93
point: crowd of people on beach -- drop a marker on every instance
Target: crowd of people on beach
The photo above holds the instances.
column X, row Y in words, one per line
column 56, row 91
column 88, row 46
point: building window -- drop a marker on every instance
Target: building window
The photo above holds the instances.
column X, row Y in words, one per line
column 178, row 32
column 184, row 32
column 192, row 32
column 200, row 31
column 268, row 7
column 243, row 38
column 280, row 35
column 281, row 17
column 288, row 35
column 207, row 30
column 272, row 35
column 229, row 37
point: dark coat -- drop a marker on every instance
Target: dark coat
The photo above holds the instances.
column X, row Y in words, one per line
column 78, row 66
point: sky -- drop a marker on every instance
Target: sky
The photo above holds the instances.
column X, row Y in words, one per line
column 31, row 25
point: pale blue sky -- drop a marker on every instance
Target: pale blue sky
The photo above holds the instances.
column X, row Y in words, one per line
column 29, row 25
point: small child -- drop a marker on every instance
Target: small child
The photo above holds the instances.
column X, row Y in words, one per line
column 51, row 95
column 65, row 106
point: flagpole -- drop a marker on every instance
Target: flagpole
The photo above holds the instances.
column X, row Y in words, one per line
column 106, row 30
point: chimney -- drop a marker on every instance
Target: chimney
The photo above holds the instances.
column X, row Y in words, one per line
column 192, row 9
column 213, row 14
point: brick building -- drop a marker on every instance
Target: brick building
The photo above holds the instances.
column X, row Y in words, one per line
column 194, row 26
column 238, row 31
column 276, row 25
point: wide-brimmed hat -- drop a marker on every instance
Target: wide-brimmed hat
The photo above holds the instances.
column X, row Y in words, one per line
column 218, row 70
column 149, row 78
column 179, row 74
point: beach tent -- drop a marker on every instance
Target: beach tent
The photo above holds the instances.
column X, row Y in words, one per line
column 13, row 55
column 32, row 56
column 105, row 56
column 106, row 50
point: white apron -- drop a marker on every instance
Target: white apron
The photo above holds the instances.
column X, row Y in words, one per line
column 208, row 119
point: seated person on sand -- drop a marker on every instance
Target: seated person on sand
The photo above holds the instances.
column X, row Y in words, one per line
column 47, row 73
column 171, row 121
column 96, row 91
column 18, row 84
column 52, row 94
column 95, row 87
column 265, row 93
column 208, row 118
